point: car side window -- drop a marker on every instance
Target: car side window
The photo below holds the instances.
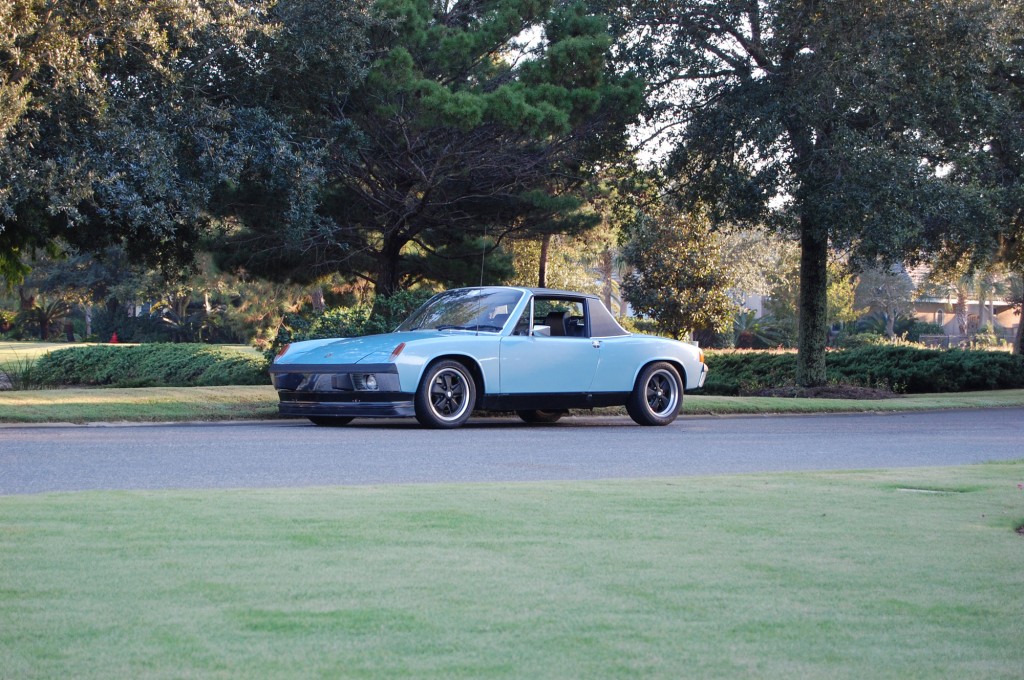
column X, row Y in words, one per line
column 559, row 318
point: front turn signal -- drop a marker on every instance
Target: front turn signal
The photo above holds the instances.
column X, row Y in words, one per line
column 396, row 351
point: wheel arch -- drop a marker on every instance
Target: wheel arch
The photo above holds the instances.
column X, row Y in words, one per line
column 471, row 364
column 674, row 363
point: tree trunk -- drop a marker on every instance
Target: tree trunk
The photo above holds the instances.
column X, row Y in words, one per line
column 1018, row 340
column 389, row 267
column 813, row 322
column 542, row 269
column 982, row 292
column 87, row 309
column 317, row 298
column 961, row 310
column 607, row 271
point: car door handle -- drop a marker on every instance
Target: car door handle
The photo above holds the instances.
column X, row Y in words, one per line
column 596, row 344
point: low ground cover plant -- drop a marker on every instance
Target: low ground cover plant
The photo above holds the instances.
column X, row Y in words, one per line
column 900, row 369
column 151, row 365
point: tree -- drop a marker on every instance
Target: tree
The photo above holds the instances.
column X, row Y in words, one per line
column 783, row 302
column 676, row 276
column 888, row 290
column 465, row 129
column 829, row 120
column 110, row 121
column 1003, row 156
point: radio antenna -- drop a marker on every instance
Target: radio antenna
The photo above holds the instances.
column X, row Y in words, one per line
column 483, row 255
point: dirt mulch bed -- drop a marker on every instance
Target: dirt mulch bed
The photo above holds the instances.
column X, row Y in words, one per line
column 825, row 392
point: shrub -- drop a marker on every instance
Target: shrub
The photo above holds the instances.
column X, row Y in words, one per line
column 860, row 340
column 152, row 365
column 919, row 371
column 7, row 321
column 732, row 373
column 919, row 328
column 898, row 368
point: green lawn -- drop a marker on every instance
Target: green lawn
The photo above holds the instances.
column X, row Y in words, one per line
column 245, row 402
column 871, row 574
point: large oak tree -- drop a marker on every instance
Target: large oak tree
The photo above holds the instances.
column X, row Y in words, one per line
column 830, row 120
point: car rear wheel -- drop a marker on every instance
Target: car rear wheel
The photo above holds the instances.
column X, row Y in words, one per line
column 537, row 417
column 657, row 395
column 445, row 396
column 330, row 421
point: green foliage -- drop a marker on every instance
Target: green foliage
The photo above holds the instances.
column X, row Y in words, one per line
column 862, row 339
column 753, row 332
column 824, row 121
column 151, row 365
column 460, row 133
column 7, row 320
column 110, row 122
column 783, row 303
column 636, row 324
column 741, row 372
column 676, row 275
column 19, row 373
column 905, row 328
column 899, row 368
column 42, row 319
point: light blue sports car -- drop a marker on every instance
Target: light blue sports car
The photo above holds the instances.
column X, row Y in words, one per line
column 537, row 352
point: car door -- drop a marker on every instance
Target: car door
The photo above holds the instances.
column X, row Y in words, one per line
column 549, row 351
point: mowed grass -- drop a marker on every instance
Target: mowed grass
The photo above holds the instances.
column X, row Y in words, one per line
column 138, row 404
column 253, row 402
column 872, row 574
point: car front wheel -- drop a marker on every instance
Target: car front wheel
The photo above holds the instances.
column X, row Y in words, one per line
column 445, row 396
column 657, row 395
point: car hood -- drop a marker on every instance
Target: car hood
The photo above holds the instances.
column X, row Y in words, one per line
column 366, row 349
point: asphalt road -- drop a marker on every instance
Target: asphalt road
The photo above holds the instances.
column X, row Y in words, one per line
column 297, row 454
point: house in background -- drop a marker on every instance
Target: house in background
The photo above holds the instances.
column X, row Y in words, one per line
column 933, row 305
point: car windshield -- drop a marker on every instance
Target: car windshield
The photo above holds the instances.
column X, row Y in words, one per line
column 466, row 309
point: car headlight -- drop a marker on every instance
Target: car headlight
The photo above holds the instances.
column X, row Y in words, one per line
column 366, row 382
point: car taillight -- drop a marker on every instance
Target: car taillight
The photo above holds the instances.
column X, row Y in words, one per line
column 283, row 350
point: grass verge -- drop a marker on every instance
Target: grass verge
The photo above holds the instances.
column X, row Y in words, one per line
column 881, row 574
column 712, row 405
column 142, row 404
column 255, row 402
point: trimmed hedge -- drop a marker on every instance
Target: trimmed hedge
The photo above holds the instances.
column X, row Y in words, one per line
column 151, row 365
column 899, row 368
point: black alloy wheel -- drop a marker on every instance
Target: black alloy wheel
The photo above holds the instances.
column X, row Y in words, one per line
column 657, row 395
column 446, row 395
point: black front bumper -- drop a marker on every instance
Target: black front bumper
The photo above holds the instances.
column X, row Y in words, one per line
column 339, row 390
column 365, row 405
